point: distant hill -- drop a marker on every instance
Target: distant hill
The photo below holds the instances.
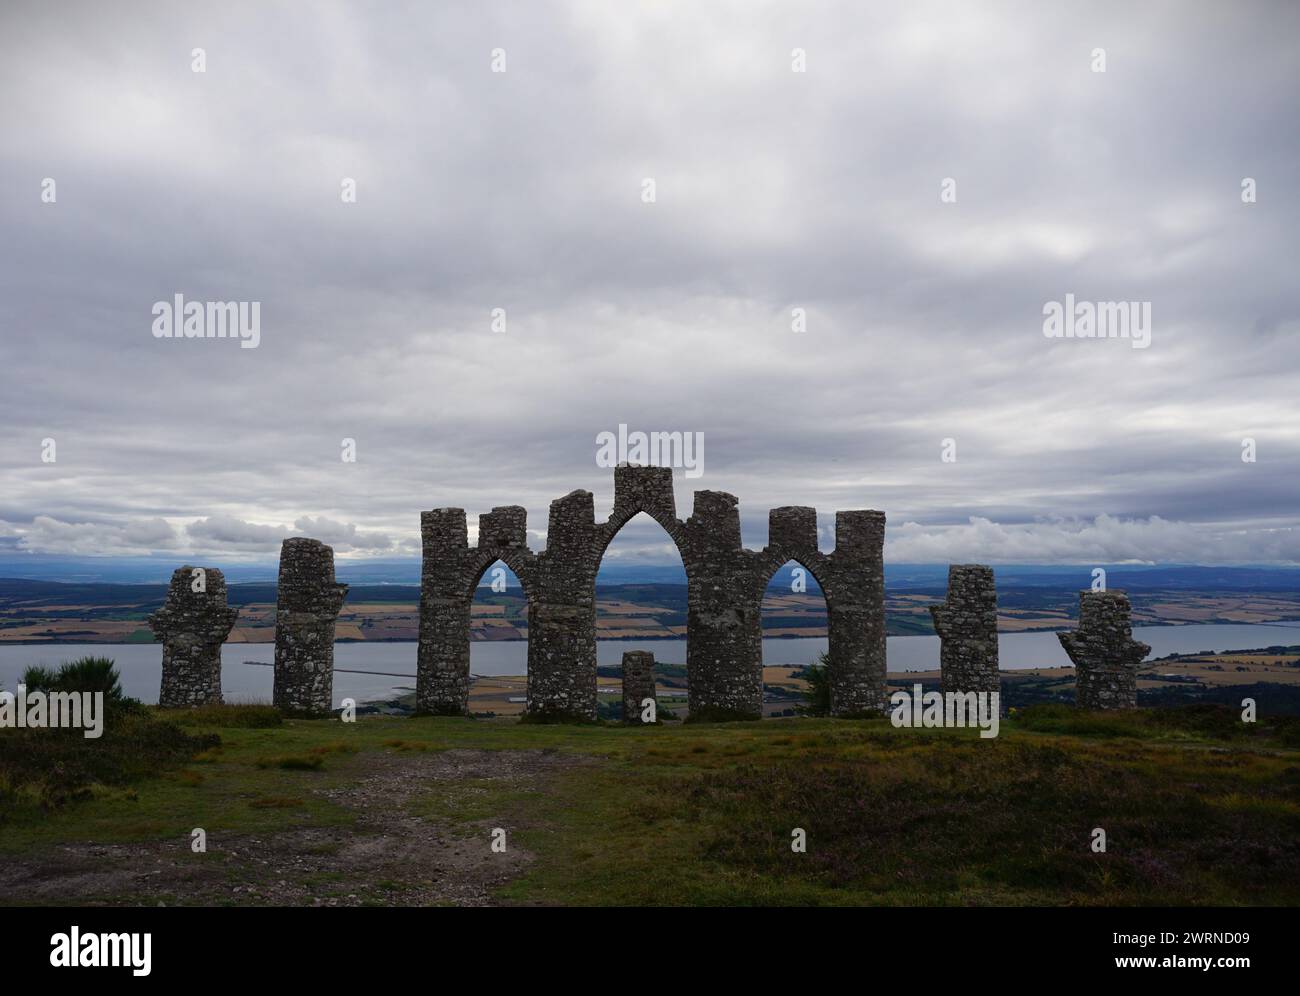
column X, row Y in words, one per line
column 641, row 603
column 898, row 577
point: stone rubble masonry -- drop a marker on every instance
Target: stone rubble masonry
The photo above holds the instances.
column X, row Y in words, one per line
column 853, row 580
column 192, row 626
column 308, row 601
column 638, row 683
column 1104, row 653
column 725, row 586
column 967, row 624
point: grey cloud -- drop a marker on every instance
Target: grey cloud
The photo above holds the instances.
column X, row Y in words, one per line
column 341, row 535
column 776, row 190
column 226, row 531
column 49, row 535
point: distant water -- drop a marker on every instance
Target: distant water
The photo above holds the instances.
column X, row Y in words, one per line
column 390, row 667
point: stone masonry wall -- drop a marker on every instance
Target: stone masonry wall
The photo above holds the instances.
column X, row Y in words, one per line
column 442, row 660
column 449, row 573
column 852, row 579
column 638, row 683
column 562, row 616
column 1104, row 653
column 725, row 584
column 967, row 624
column 856, row 604
column 724, row 642
column 192, row 626
column 308, row 601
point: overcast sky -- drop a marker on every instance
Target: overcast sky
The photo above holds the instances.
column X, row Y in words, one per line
column 774, row 190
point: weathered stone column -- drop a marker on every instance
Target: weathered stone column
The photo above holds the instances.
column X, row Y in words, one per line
column 442, row 663
column 1104, row 653
column 855, row 600
column 638, row 683
column 562, row 616
column 967, row 624
column 192, row 624
column 724, row 641
column 307, row 603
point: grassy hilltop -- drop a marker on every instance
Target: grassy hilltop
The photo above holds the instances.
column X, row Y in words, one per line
column 1198, row 808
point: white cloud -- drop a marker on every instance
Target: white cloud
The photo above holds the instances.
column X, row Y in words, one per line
column 49, row 535
column 1103, row 540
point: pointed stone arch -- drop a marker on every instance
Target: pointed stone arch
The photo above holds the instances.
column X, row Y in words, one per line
column 450, row 571
column 724, row 580
column 792, row 538
column 640, row 490
column 852, row 580
column 792, row 535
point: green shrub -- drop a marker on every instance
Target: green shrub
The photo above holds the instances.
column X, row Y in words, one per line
column 817, row 697
column 85, row 674
column 38, row 678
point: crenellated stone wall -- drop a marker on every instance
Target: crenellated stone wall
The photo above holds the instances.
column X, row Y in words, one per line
column 967, row 624
column 638, row 683
column 192, row 624
column 308, row 601
column 725, row 585
column 725, row 588
column 450, row 571
column 1104, row 652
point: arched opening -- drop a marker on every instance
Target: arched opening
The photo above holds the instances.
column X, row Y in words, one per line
column 794, row 617
column 641, row 605
column 498, row 643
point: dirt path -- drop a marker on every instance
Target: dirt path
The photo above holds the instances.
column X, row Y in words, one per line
column 388, row 857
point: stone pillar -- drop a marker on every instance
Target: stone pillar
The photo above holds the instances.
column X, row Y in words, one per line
column 307, row 603
column 967, row 624
column 856, row 609
column 562, row 616
column 724, row 641
column 1104, row 653
column 192, row 624
column 442, row 661
column 638, row 683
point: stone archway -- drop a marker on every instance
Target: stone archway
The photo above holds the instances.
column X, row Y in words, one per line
column 562, row 618
column 450, row 571
column 852, row 580
column 724, row 594
column 774, row 605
